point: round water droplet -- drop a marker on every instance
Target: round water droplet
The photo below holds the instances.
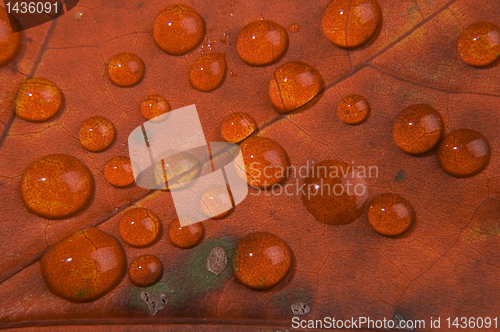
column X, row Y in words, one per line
column 187, row 236
column 353, row 109
column 463, row 153
column 390, row 214
column 294, row 27
column 208, row 72
column 125, row 69
column 261, row 43
column 479, row 44
column 418, row 129
column 294, row 84
column 57, row 186
column 351, row 23
column 261, row 260
column 154, row 106
column 85, row 266
column 178, row 29
column 140, row 227
column 265, row 162
column 9, row 41
column 38, row 100
column 216, row 202
column 145, row 270
column 237, row 127
column 335, row 193
column 97, row 133
column 118, row 171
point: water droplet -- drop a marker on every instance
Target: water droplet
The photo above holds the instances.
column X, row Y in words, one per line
column 154, row 106
column 237, row 126
column 57, row 186
column 78, row 15
column 118, row 171
column 38, row 100
column 390, row 214
column 354, row 109
column 265, row 162
column 208, row 72
column 97, row 133
column 261, row 260
column 178, row 29
column 351, row 23
column 341, row 196
column 261, row 43
column 125, row 69
column 96, row 267
column 294, row 27
column 293, row 85
column 479, row 44
column 145, row 270
column 418, row 129
column 187, row 236
column 463, row 153
column 216, row 202
column 140, row 227
column 9, row 41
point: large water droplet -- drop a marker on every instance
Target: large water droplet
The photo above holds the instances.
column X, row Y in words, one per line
column 38, row 100
column 85, row 266
column 261, row 260
column 178, row 29
column 479, row 44
column 351, row 23
column 418, row 129
column 261, row 43
column 390, row 214
column 293, row 85
column 463, row 153
column 57, row 186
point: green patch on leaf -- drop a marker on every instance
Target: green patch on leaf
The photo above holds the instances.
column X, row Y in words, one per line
column 400, row 176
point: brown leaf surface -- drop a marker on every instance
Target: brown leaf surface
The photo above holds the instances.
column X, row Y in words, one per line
column 446, row 265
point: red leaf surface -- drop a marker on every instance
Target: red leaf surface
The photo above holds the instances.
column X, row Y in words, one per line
column 446, row 265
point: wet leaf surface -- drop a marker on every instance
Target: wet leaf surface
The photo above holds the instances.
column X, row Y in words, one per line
column 446, row 264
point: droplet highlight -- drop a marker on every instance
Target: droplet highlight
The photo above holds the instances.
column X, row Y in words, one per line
column 85, row 266
column 57, row 186
column 187, row 236
column 237, row 126
column 145, row 270
column 261, row 260
column 265, row 162
column 208, row 72
column 293, row 85
column 463, row 153
column 97, row 133
column 261, row 43
column 479, row 44
column 390, row 214
column 335, row 193
column 38, row 100
column 118, row 172
column 178, row 29
column 140, row 227
column 126, row 69
column 418, row 129
column 351, row 23
column 353, row 109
